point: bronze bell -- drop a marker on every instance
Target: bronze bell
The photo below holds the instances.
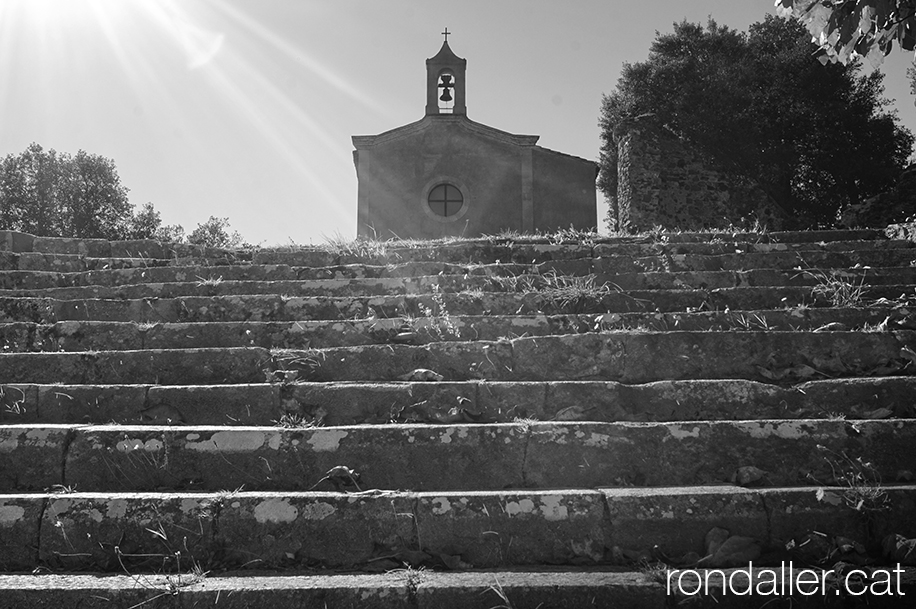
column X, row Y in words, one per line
column 446, row 85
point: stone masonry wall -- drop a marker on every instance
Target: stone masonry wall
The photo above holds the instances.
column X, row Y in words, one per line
column 663, row 180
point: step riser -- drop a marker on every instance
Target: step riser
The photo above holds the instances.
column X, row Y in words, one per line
column 454, row 457
column 611, row 258
column 630, row 358
column 176, row 367
column 458, row 283
column 446, row 403
column 528, row 253
column 219, row 279
column 321, row 334
column 282, row 308
column 80, row 531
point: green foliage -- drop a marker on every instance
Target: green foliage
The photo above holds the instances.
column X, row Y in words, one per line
column 911, row 74
column 815, row 138
column 213, row 233
column 846, row 29
column 48, row 193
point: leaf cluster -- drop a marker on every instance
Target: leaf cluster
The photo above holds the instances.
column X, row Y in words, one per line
column 847, row 29
column 816, row 138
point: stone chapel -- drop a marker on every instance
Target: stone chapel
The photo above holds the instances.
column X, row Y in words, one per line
column 446, row 175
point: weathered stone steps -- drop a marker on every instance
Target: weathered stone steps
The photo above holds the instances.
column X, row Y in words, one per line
column 320, row 334
column 457, row 457
column 267, row 307
column 336, row 404
column 680, row 467
column 458, row 282
column 80, row 531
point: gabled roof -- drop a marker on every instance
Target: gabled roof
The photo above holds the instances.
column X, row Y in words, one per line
column 399, row 133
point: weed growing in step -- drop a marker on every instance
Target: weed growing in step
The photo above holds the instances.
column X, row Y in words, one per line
column 560, row 291
column 292, row 420
column 441, row 323
column 573, row 235
column 173, row 583
column 359, row 247
column 525, row 423
column 861, row 484
column 562, row 236
column 209, row 281
column 838, row 290
column 497, row 588
column 749, row 323
column 13, row 400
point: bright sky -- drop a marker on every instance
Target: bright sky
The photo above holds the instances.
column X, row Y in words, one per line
column 245, row 108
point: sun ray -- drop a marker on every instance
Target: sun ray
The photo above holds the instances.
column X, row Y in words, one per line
column 299, row 56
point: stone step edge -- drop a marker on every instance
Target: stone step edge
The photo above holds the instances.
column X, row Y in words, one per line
column 654, row 587
column 520, row 455
column 402, row 588
column 559, row 526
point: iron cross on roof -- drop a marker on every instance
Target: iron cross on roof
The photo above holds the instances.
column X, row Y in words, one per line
column 446, row 33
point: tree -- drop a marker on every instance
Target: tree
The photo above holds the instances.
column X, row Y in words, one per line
column 816, row 138
column 53, row 194
column 146, row 223
column 47, row 193
column 846, row 29
column 213, row 233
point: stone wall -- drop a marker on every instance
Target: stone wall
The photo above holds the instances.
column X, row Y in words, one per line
column 663, row 180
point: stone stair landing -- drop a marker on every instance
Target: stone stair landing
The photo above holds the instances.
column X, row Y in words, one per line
column 526, row 422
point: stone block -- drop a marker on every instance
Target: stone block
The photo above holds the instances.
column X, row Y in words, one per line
column 133, row 531
column 93, row 248
column 346, row 404
column 19, row 404
column 139, row 248
column 251, row 404
column 576, row 357
column 210, row 458
column 14, row 241
column 505, row 401
column 515, row 527
column 31, row 457
column 20, row 523
column 314, row 529
column 677, row 519
column 93, row 404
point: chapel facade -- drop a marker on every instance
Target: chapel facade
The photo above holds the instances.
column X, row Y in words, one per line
column 446, row 175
